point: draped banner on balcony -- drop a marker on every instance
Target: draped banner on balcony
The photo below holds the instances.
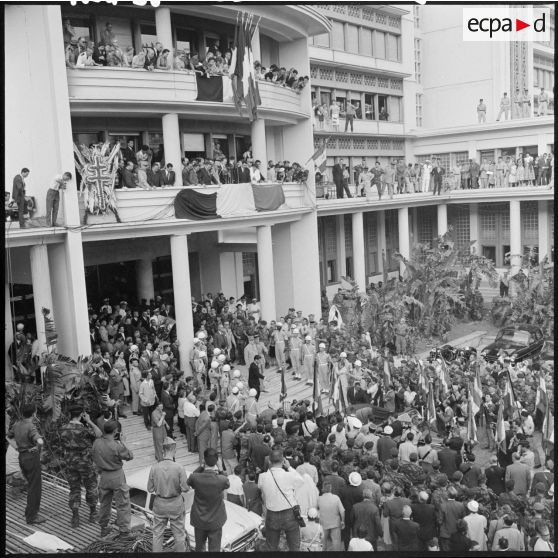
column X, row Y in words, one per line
column 231, row 200
column 215, row 88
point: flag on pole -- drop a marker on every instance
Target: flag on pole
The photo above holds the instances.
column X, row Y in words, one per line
column 318, row 410
column 385, row 267
column 500, row 436
column 244, row 83
column 387, row 372
column 338, row 397
column 50, row 329
column 283, row 394
column 548, row 429
column 334, row 314
column 476, row 392
column 541, row 399
column 508, row 397
column 431, row 407
column 471, row 424
column 423, row 378
column 320, row 158
column 443, row 374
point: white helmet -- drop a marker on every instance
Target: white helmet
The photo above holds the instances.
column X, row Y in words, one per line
column 240, row 386
column 235, row 390
column 358, row 363
column 308, row 338
column 226, row 368
column 196, row 340
column 321, row 346
column 252, row 393
column 201, row 335
column 236, row 374
column 216, row 352
column 203, row 354
column 214, row 364
column 296, row 330
column 343, row 355
column 221, row 358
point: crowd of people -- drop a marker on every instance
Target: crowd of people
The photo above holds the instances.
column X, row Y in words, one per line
column 327, row 117
column 141, row 170
column 373, row 470
column 81, row 52
column 396, row 177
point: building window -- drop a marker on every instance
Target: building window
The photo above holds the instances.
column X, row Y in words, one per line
column 416, row 14
column 380, row 45
column 148, row 33
column 369, row 111
column 186, row 40
column 366, row 42
column 351, row 39
column 392, row 47
column 418, row 60
column 321, row 40
column 419, row 109
column 337, row 36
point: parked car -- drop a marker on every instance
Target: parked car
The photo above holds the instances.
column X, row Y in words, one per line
column 517, row 343
column 547, row 352
column 240, row 532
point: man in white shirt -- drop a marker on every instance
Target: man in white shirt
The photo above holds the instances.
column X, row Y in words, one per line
column 253, row 309
column 59, row 182
column 256, row 173
column 406, row 448
column 191, row 414
column 359, row 543
column 278, row 486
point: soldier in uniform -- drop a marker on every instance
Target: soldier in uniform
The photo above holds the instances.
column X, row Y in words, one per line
column 77, row 440
column 323, row 362
column 308, row 355
column 295, row 343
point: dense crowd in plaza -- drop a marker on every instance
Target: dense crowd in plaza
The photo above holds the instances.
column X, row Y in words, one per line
column 84, row 53
column 389, row 463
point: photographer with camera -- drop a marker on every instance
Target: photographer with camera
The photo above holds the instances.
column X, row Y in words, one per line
column 278, row 486
column 77, row 439
column 208, row 514
column 108, row 453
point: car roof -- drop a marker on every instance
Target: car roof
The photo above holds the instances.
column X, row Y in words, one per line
column 522, row 327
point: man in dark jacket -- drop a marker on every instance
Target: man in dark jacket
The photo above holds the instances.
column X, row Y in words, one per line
column 204, row 176
column 338, row 180
column 128, row 178
column 169, row 176
column 154, row 177
column 18, row 194
column 449, row 460
column 406, row 532
column 244, row 173
column 438, row 176
column 168, row 407
column 208, row 514
column 425, row 515
column 367, row 514
column 254, row 375
column 385, row 445
column 495, row 476
column 128, row 153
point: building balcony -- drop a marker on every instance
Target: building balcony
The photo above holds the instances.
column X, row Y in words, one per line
column 372, row 127
column 106, row 91
column 333, row 206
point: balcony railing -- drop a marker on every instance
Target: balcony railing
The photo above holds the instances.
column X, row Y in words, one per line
column 136, row 205
column 360, row 126
column 101, row 89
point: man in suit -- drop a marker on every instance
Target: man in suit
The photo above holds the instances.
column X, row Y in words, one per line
column 204, row 176
column 546, row 476
column 438, row 176
column 406, row 532
column 520, row 473
column 154, row 177
column 244, row 173
column 18, row 194
column 449, row 460
column 208, row 514
column 495, row 476
column 128, row 178
column 356, row 395
column 169, row 176
column 338, row 179
column 254, row 375
column 168, row 408
column 386, row 444
column 425, row 515
column 474, row 169
column 450, row 513
column 367, row 514
column 203, row 431
column 128, row 153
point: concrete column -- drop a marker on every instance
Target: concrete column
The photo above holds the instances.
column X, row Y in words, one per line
column 163, row 27
column 381, row 232
column 359, row 255
column 515, row 236
column 8, row 333
column 442, row 219
column 144, row 276
column 474, row 228
column 256, row 50
column 542, row 144
column 171, row 142
column 259, row 146
column 472, row 149
column 42, row 295
column 182, row 297
column 544, row 228
column 265, row 273
column 403, row 222
column 341, row 254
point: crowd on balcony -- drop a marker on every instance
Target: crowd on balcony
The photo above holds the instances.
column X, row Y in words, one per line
column 141, row 170
column 522, row 105
column 82, row 52
column 397, row 177
column 396, row 465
